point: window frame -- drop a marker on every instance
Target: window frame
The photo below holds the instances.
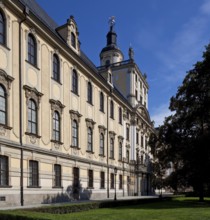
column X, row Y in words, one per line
column 101, row 102
column 75, row 82
column 57, row 176
column 30, row 119
column 101, row 149
column 90, row 139
column 111, row 148
column 56, row 123
column 120, row 115
column 102, row 180
column 3, row 33
column 4, row 171
column 120, row 181
column 90, row 179
column 73, row 40
column 111, row 180
column 3, row 111
column 89, row 93
column 75, row 133
column 120, row 151
column 33, row 174
column 112, row 109
column 32, row 50
column 56, row 68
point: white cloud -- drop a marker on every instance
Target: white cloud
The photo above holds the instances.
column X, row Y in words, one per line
column 160, row 114
column 205, row 7
column 185, row 48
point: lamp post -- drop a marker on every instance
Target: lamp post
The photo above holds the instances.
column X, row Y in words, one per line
column 115, row 173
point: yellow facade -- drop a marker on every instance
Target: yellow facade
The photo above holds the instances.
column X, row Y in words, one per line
column 19, row 147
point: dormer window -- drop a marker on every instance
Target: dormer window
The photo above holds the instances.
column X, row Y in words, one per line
column 73, row 40
column 107, row 62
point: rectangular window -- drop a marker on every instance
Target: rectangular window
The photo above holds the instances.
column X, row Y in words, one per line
column 57, row 175
column 142, row 141
column 137, row 137
column 121, row 182
column 90, row 178
column 145, row 143
column 4, row 171
column 33, row 173
column 102, row 180
column 127, row 133
column 75, row 177
column 112, row 180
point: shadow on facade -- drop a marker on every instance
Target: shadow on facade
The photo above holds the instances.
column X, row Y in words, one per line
column 72, row 193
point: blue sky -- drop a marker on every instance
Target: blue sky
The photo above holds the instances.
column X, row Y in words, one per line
column 168, row 37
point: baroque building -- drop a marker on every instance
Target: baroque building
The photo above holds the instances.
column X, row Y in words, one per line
column 68, row 129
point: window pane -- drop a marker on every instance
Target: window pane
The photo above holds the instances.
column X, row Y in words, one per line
column 2, row 118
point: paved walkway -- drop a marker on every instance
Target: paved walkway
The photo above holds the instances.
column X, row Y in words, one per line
column 78, row 201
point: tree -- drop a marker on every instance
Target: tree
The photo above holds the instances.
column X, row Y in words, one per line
column 184, row 138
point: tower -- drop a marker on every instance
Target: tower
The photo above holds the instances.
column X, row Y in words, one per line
column 111, row 53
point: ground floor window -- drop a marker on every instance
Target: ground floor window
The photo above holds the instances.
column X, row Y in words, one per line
column 90, row 178
column 102, row 180
column 4, row 171
column 33, row 173
column 112, row 181
column 57, row 175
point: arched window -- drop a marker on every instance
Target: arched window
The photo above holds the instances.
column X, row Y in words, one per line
column 32, row 117
column 32, row 50
column 102, row 102
column 90, row 140
column 120, row 151
column 56, row 126
column 73, row 40
column 89, row 93
column 74, row 134
column 75, row 82
column 56, row 68
column 111, row 148
column 120, row 115
column 111, row 109
column 2, row 29
column 3, row 106
column 101, row 144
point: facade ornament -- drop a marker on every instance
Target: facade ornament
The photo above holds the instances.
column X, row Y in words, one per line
column 3, row 131
column 90, row 123
column 75, row 115
column 56, row 105
column 32, row 93
column 131, row 53
column 6, row 80
column 102, row 129
column 112, row 134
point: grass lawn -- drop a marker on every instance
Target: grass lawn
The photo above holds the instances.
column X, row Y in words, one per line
column 176, row 209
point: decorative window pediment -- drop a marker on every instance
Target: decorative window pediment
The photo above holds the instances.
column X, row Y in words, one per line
column 6, row 80
column 120, row 138
column 32, row 93
column 75, row 115
column 90, row 123
column 112, row 134
column 56, row 105
column 102, row 129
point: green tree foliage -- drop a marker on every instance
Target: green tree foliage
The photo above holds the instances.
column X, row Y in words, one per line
column 184, row 139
